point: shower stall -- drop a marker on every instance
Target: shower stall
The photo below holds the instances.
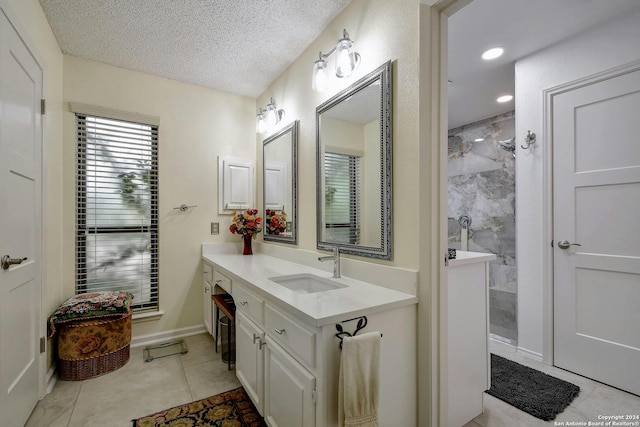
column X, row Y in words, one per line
column 481, row 209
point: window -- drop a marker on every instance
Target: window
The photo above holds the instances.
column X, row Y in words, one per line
column 117, row 208
column 342, row 193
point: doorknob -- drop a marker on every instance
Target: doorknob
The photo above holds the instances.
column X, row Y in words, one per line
column 563, row 244
column 8, row 261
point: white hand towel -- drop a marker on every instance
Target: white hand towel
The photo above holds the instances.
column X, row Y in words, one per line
column 359, row 381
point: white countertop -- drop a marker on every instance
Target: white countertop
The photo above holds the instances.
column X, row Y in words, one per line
column 465, row 257
column 318, row 309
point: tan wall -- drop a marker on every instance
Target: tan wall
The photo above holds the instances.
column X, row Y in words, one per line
column 196, row 126
column 382, row 30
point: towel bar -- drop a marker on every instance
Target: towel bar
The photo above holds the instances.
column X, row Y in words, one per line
column 362, row 323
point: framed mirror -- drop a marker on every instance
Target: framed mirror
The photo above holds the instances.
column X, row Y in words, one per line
column 280, row 185
column 353, row 171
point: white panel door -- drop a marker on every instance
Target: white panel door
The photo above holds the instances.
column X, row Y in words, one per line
column 20, row 226
column 289, row 390
column 249, row 359
column 596, row 205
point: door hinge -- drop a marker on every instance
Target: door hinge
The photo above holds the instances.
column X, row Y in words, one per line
column 42, row 344
column 314, row 396
column 446, row 260
column 43, row 106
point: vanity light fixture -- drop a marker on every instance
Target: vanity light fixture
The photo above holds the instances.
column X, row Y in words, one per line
column 268, row 117
column 347, row 60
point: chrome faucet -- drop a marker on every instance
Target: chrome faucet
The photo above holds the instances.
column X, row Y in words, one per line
column 336, row 261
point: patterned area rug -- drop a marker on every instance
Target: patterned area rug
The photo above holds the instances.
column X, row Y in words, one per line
column 529, row 390
column 230, row 409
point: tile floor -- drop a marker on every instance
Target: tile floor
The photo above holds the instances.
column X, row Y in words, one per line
column 137, row 389
column 594, row 399
column 140, row 388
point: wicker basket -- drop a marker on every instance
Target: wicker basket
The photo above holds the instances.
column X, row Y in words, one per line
column 90, row 348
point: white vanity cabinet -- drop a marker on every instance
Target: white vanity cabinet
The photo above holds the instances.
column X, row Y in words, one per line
column 214, row 282
column 468, row 329
column 281, row 388
column 207, row 275
column 287, row 352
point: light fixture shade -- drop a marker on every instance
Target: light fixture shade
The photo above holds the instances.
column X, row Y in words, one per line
column 319, row 79
column 347, row 60
column 261, row 125
column 272, row 114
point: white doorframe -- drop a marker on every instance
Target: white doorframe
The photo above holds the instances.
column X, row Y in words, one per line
column 547, row 226
column 432, row 308
column 24, row 35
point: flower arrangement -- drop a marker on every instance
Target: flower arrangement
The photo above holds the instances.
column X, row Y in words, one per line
column 275, row 222
column 246, row 223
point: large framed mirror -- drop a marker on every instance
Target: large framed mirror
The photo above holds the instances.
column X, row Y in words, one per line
column 280, row 185
column 353, row 171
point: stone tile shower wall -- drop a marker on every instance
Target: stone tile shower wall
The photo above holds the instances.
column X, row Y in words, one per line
column 481, row 185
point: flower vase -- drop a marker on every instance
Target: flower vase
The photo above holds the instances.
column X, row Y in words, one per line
column 247, row 244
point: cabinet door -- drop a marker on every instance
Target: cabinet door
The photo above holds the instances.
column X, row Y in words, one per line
column 235, row 184
column 249, row 359
column 289, row 390
column 208, row 312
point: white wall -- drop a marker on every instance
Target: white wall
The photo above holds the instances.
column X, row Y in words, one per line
column 32, row 24
column 196, row 126
column 611, row 45
column 382, row 30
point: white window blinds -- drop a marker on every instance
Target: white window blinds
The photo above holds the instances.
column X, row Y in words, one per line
column 117, row 208
column 342, row 198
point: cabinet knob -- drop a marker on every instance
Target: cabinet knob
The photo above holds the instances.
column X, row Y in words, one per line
column 243, row 303
column 262, row 344
column 279, row 331
column 255, row 338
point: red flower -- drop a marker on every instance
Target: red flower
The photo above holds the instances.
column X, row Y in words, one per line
column 246, row 223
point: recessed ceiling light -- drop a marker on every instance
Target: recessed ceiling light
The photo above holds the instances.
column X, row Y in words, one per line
column 493, row 53
column 478, row 140
column 505, row 98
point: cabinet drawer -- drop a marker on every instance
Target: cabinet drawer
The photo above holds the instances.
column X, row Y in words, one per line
column 249, row 304
column 287, row 332
column 207, row 273
column 221, row 280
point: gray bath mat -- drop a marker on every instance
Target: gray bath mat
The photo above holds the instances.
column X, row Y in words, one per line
column 529, row 390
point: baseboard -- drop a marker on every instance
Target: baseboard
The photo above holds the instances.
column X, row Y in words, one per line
column 52, row 378
column 167, row 335
column 502, row 340
column 529, row 353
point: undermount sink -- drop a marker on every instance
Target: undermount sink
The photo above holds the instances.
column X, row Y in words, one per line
column 306, row 283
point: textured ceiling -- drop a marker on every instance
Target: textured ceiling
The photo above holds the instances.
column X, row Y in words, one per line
column 236, row 46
